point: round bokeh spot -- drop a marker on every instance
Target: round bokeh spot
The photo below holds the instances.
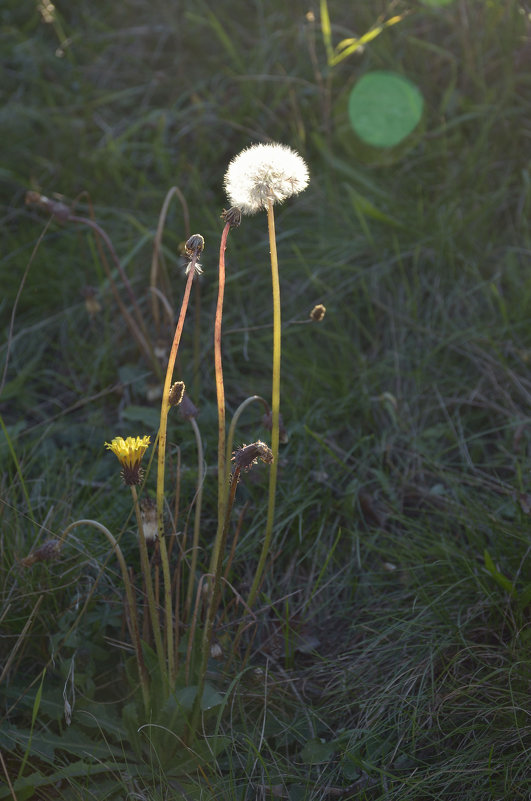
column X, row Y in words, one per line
column 384, row 108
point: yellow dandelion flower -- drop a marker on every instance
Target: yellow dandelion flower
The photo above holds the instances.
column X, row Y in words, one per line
column 129, row 453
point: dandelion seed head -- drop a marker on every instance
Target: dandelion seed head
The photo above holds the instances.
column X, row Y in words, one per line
column 263, row 173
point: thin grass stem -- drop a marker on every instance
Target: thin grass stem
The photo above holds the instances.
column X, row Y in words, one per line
column 174, row 190
column 213, row 602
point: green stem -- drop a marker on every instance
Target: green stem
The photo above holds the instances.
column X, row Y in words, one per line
column 275, row 406
column 146, row 570
column 220, row 392
column 197, row 518
column 134, row 630
column 213, row 602
column 165, row 406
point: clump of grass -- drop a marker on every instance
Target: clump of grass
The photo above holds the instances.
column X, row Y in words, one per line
column 278, row 173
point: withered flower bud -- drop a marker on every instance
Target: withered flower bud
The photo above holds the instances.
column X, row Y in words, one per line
column 317, row 313
column 59, row 210
column 187, row 409
column 176, row 393
column 92, row 303
column 194, row 248
column 216, row 651
column 232, row 216
column 195, row 245
column 267, row 422
column 247, row 455
column 47, row 552
column 148, row 511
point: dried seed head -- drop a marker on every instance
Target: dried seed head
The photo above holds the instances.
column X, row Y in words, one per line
column 176, row 393
column 317, row 313
column 187, row 409
column 129, row 453
column 261, row 174
column 232, row 216
column 267, row 422
column 148, row 511
column 247, row 455
column 195, row 245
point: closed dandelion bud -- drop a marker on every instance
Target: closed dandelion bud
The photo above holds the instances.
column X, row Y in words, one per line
column 317, row 313
column 92, row 303
column 148, row 511
column 176, row 393
column 129, row 453
column 216, row 651
column 60, row 211
column 187, row 408
column 47, row 552
column 195, row 245
column 247, row 455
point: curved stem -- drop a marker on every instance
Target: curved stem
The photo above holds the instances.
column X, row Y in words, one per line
column 146, row 570
column 157, row 243
column 138, row 329
column 275, row 405
column 165, row 406
column 110, row 247
column 135, row 631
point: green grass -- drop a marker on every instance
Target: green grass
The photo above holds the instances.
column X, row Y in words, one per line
column 401, row 550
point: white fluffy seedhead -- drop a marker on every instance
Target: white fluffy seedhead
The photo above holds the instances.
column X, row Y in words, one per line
column 263, row 173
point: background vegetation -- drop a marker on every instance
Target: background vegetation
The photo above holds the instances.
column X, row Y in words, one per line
column 393, row 649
